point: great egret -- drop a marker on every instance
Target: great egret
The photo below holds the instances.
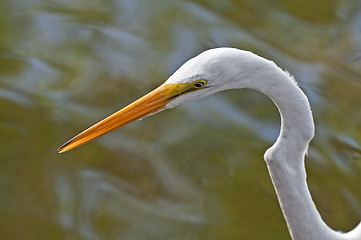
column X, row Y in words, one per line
column 227, row 68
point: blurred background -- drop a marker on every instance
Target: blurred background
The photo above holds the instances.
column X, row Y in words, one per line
column 193, row 172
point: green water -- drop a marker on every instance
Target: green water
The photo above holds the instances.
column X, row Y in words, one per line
column 193, row 172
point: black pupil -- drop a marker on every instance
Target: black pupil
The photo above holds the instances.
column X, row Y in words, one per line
column 199, row 84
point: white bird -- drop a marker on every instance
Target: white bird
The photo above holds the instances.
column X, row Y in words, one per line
column 227, row 68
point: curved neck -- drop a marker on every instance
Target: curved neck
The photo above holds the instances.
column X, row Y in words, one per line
column 285, row 159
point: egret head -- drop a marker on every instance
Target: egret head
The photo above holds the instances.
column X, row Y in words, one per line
column 209, row 72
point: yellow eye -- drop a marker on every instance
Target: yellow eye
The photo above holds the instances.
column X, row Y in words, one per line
column 199, row 84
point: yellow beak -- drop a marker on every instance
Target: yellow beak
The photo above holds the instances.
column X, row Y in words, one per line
column 151, row 103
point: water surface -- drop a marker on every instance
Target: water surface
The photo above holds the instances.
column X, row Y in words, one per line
column 194, row 172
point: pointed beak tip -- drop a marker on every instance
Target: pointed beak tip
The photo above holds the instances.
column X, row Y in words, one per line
column 63, row 148
column 60, row 150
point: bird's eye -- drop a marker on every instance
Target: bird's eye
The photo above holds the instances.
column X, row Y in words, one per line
column 199, row 84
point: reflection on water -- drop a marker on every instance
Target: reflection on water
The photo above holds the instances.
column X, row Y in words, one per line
column 195, row 172
column 98, row 215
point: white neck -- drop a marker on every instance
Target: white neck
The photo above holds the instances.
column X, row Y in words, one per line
column 228, row 68
column 285, row 159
